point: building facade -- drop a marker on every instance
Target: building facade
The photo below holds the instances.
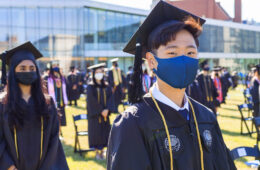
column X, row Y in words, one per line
column 82, row 33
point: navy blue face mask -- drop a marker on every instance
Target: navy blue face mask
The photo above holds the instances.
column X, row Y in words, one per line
column 56, row 69
column 178, row 72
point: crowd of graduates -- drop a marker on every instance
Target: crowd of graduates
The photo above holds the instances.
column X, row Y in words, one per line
column 171, row 121
column 107, row 88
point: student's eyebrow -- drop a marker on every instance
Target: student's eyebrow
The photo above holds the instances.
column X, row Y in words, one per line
column 174, row 46
column 171, row 46
column 190, row 46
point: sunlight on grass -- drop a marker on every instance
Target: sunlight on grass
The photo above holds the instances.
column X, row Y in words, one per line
column 229, row 120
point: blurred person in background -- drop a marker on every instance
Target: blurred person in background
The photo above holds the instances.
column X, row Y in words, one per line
column 73, row 86
column 57, row 90
column 208, row 90
column 255, row 91
column 99, row 107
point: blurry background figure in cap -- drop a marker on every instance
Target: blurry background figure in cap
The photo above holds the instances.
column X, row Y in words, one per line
column 99, row 106
column 28, row 110
column 208, row 90
column 56, row 85
column 218, row 85
column 255, row 90
column 116, row 81
column 73, row 87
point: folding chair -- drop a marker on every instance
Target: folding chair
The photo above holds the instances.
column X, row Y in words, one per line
column 247, row 151
column 77, row 148
column 256, row 121
column 245, row 119
column 247, row 96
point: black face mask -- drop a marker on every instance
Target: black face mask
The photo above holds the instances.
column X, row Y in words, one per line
column 217, row 75
column 26, row 78
column 206, row 69
column 116, row 64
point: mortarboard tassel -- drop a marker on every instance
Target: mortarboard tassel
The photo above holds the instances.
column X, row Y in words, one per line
column 3, row 78
column 135, row 91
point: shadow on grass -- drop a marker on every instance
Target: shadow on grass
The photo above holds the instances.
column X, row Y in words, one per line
column 226, row 132
column 229, row 116
column 230, row 109
column 69, row 151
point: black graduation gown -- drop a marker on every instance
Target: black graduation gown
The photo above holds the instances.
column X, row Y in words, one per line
column 254, row 91
column 98, row 128
column 73, row 80
column 128, row 79
column 194, row 91
column 118, row 94
column 208, row 91
column 138, row 140
column 28, row 139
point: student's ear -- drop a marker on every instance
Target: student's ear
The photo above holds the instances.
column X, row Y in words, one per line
column 151, row 60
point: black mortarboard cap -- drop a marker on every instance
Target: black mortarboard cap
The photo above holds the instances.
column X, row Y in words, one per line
column 203, row 63
column 217, row 68
column 96, row 66
column 14, row 56
column 162, row 13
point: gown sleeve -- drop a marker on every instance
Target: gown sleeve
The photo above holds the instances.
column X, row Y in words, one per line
column 94, row 109
column 126, row 148
column 55, row 157
column 226, row 152
column 5, row 159
column 110, row 101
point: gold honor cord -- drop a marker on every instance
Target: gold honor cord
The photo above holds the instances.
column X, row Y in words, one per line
column 166, row 129
column 15, row 140
column 168, row 134
column 198, row 135
column 105, row 101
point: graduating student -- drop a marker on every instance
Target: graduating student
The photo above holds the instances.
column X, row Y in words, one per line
column 99, row 106
column 194, row 91
column 255, row 91
column 116, row 82
column 165, row 129
column 29, row 127
column 73, row 86
column 57, row 90
column 208, row 90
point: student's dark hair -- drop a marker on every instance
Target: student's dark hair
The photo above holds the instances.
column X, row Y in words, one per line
column 15, row 109
column 103, row 83
column 167, row 32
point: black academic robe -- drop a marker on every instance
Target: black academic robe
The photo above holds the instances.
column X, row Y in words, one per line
column 98, row 127
column 254, row 91
column 118, row 94
column 208, row 91
column 194, row 91
column 73, row 80
column 138, row 140
column 28, row 142
column 225, row 83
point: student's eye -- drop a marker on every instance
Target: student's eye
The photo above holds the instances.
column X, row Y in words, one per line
column 191, row 53
column 172, row 53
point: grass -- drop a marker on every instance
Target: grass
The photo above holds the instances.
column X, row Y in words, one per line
column 229, row 121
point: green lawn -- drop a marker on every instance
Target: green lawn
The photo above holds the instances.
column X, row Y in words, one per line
column 229, row 120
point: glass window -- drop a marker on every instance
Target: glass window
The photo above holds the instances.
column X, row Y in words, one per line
column 4, row 16
column 71, row 18
column 58, row 18
column 31, row 17
column 45, row 18
column 18, row 17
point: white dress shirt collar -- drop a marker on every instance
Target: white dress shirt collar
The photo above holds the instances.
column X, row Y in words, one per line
column 162, row 98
